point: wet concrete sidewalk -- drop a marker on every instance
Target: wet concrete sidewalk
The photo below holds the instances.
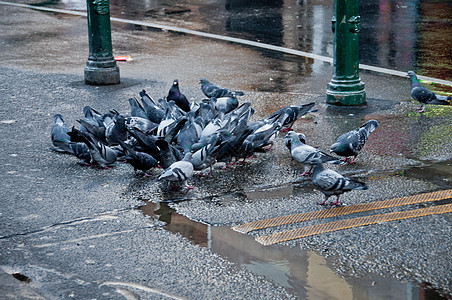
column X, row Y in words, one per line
column 75, row 232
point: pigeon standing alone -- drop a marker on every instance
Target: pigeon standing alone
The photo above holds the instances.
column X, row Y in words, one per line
column 351, row 143
column 423, row 95
column 329, row 182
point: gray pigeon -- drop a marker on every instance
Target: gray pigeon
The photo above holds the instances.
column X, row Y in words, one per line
column 205, row 157
column 423, row 95
column 305, row 154
column 289, row 114
column 179, row 172
column 59, row 135
column 330, row 182
column 351, row 143
column 212, row 90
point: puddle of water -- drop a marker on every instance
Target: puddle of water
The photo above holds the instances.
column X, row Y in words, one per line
column 438, row 173
column 306, row 274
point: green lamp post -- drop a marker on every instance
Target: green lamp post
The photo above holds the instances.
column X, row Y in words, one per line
column 346, row 87
column 101, row 67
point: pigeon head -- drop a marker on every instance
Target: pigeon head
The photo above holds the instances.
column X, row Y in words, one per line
column 58, row 118
column 338, row 148
column 410, row 74
column 176, row 82
column 203, row 81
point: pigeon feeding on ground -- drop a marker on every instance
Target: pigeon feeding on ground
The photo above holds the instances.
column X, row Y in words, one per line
column 305, row 154
column 101, row 154
column 423, row 95
column 329, row 182
column 59, row 135
column 179, row 172
column 289, row 114
column 212, row 90
column 351, row 143
column 139, row 160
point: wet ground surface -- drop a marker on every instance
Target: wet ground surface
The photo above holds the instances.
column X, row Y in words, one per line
column 60, row 216
column 400, row 35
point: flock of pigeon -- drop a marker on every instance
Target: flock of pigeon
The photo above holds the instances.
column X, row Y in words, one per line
column 182, row 137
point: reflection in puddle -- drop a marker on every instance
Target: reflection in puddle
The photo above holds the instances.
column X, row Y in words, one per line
column 303, row 273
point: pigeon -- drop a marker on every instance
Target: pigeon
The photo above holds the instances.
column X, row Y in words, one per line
column 139, row 160
column 116, row 130
column 179, row 98
column 188, row 134
column 154, row 111
column 81, row 151
column 351, row 143
column 289, row 114
column 179, row 172
column 211, row 90
column 258, row 139
column 100, row 153
column 136, row 109
column 230, row 148
column 142, row 124
column 305, row 154
column 205, row 157
column 423, row 95
column 329, row 182
column 59, row 135
column 146, row 142
column 227, row 103
column 168, row 154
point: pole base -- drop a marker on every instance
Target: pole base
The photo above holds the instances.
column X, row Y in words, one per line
column 346, row 93
column 101, row 75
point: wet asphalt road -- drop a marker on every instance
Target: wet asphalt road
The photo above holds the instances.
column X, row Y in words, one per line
column 76, row 232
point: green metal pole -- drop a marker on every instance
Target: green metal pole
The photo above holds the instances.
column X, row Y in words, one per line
column 101, row 68
column 346, row 87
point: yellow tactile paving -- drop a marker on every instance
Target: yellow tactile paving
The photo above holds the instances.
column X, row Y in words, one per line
column 350, row 223
column 345, row 210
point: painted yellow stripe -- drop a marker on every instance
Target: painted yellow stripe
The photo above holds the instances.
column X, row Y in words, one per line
column 350, row 223
column 340, row 211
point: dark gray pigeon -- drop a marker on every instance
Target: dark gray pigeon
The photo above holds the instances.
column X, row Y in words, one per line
column 179, row 98
column 351, row 143
column 139, row 160
column 168, row 153
column 59, row 135
column 305, row 154
column 423, row 95
column 329, row 182
column 212, row 90
column 136, row 109
column 154, row 111
column 179, row 172
column 116, row 130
